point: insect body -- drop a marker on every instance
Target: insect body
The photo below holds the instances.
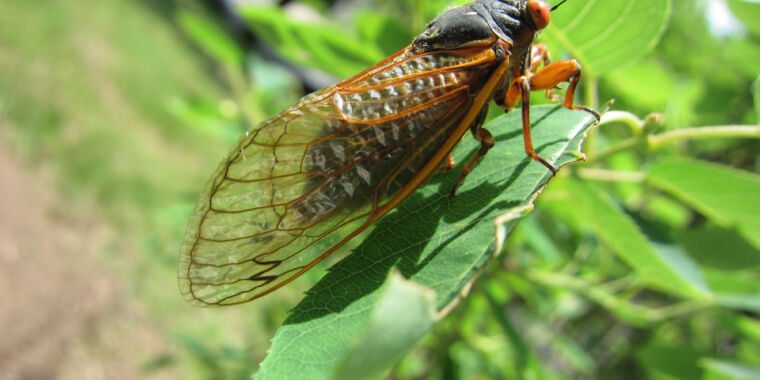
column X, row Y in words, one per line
column 300, row 185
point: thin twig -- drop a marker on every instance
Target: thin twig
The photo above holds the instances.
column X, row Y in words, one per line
column 698, row 133
column 611, row 175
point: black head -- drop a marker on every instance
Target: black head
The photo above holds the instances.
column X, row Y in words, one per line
column 516, row 21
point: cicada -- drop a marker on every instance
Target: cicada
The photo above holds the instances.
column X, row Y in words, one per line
column 300, row 185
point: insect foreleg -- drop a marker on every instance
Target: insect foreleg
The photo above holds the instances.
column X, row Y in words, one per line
column 555, row 73
column 545, row 79
column 523, row 84
column 539, row 55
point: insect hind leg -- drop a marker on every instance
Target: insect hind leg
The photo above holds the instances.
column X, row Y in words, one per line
column 487, row 142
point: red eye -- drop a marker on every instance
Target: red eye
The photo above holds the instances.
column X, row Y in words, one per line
column 539, row 13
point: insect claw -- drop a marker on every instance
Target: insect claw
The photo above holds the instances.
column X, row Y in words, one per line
column 596, row 114
column 553, row 170
column 545, row 163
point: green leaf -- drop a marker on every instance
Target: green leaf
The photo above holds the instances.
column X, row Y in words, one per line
column 388, row 32
column 435, row 241
column 756, row 88
column 749, row 327
column 207, row 117
column 746, row 302
column 648, row 85
column 661, row 266
column 213, row 40
column 669, row 362
column 312, row 44
column 729, row 197
column 746, row 11
column 723, row 369
column 605, row 35
column 402, row 316
column 735, row 289
column 734, row 282
column 736, row 252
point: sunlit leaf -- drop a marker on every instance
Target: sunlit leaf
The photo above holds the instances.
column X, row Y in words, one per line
column 736, row 253
column 605, row 35
column 312, row 44
column 729, row 197
column 746, row 302
column 746, row 11
column 206, row 117
column 735, row 289
column 435, row 241
column 388, row 32
column 660, row 266
column 756, row 89
column 647, row 85
column 669, row 362
column 211, row 38
column 402, row 316
column 733, row 281
column 723, row 369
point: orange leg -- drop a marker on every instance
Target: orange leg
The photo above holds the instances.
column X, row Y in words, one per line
column 555, row 73
column 448, row 165
column 524, row 84
column 539, row 55
column 546, row 79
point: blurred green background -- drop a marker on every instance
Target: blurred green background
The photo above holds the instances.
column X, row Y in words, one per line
column 114, row 113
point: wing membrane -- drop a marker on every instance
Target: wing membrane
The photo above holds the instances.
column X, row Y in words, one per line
column 297, row 187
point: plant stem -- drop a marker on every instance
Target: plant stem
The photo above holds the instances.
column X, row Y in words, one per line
column 240, row 87
column 628, row 119
column 614, row 149
column 611, row 175
column 591, row 96
column 727, row 131
column 518, row 343
column 655, row 142
column 592, row 91
column 633, row 313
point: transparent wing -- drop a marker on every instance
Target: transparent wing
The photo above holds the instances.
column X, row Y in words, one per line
column 301, row 184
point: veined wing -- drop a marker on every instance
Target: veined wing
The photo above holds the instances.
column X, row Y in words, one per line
column 300, row 185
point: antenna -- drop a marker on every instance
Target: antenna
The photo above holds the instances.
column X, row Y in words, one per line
column 557, row 6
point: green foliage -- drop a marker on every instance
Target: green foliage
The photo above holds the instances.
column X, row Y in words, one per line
column 436, row 242
column 593, row 209
column 632, row 234
column 642, row 262
column 318, row 44
column 757, row 99
column 588, row 33
column 729, row 201
column 746, row 10
column 214, row 41
column 384, row 340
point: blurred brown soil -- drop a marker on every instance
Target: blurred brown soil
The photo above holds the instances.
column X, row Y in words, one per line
column 61, row 315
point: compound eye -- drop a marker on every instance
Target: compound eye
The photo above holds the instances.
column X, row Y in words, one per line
column 540, row 13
